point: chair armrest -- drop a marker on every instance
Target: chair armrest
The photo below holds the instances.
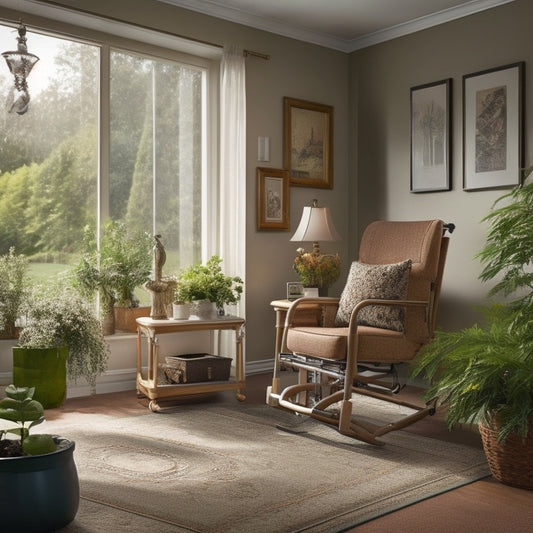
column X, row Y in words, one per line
column 306, row 303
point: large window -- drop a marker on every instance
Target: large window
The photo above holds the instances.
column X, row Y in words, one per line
column 59, row 172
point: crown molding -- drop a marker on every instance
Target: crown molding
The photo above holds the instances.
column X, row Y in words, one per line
column 329, row 41
column 423, row 23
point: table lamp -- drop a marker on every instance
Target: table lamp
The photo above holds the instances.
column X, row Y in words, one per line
column 313, row 268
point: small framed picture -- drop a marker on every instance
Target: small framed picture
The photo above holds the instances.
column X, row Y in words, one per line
column 308, row 143
column 493, row 127
column 430, row 137
column 295, row 290
column 272, row 199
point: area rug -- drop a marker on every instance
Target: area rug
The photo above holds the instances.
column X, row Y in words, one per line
column 230, row 468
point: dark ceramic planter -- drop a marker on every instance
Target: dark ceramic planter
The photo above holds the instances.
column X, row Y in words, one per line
column 39, row 493
column 42, row 368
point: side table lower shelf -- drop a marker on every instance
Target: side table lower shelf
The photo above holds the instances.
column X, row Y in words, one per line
column 147, row 382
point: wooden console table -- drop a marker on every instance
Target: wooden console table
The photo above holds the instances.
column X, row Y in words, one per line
column 147, row 382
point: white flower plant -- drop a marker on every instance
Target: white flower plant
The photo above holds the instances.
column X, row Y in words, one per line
column 59, row 316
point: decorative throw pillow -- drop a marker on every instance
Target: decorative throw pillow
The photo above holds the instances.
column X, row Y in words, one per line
column 388, row 282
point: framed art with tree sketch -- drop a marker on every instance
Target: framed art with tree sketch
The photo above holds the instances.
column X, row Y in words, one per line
column 431, row 137
column 492, row 127
column 308, row 143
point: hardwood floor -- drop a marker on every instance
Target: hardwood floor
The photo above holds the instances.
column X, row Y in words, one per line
column 484, row 506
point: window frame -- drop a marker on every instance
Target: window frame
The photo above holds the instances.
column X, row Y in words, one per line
column 108, row 34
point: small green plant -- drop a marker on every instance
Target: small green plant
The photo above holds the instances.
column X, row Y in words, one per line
column 59, row 316
column 20, row 408
column 14, row 287
column 317, row 270
column 117, row 267
column 208, row 282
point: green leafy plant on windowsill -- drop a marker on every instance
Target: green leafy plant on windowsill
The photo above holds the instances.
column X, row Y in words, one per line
column 14, row 289
column 121, row 264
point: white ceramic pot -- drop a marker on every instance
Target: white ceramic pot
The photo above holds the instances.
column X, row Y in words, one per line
column 181, row 311
column 204, row 310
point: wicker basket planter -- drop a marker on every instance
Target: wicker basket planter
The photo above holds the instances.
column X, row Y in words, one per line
column 125, row 317
column 511, row 462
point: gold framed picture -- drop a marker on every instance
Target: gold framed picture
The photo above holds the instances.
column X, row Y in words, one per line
column 308, row 143
column 272, row 199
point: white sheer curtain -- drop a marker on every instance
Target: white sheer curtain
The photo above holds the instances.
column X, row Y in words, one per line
column 232, row 186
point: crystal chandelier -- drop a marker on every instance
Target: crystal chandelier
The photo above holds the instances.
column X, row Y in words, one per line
column 20, row 63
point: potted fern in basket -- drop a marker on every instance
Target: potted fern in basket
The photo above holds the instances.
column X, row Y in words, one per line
column 484, row 373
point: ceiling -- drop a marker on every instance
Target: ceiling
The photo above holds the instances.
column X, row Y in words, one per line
column 344, row 25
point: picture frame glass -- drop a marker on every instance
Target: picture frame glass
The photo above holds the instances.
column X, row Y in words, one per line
column 430, row 137
column 273, row 199
column 308, row 143
column 492, row 123
column 309, row 129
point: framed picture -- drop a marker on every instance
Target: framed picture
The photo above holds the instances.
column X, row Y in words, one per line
column 492, row 127
column 295, row 290
column 308, row 143
column 272, row 199
column 431, row 137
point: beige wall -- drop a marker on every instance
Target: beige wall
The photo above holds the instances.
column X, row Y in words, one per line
column 369, row 90
column 381, row 78
column 298, row 70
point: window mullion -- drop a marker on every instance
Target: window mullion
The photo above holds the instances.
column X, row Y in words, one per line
column 104, row 144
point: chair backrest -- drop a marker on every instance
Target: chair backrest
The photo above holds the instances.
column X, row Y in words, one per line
column 386, row 242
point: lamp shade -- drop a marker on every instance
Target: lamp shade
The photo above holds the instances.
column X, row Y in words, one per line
column 316, row 225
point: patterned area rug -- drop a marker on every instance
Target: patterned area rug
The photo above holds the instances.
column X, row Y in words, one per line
column 228, row 467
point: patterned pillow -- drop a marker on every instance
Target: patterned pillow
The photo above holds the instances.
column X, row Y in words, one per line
column 364, row 282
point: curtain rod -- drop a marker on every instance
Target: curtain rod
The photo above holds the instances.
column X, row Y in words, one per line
column 246, row 53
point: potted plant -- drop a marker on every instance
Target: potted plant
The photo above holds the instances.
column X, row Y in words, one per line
column 207, row 283
column 38, row 477
column 317, row 270
column 62, row 337
column 114, row 269
column 13, row 291
column 484, row 373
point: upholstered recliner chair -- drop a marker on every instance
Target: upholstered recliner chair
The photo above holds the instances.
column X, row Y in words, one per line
column 386, row 313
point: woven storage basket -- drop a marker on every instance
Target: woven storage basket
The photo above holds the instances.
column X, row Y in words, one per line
column 511, row 462
column 197, row 367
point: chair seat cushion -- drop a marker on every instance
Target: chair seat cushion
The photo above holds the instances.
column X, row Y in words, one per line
column 377, row 345
column 328, row 343
column 388, row 282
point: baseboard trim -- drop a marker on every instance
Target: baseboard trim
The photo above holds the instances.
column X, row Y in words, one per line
column 126, row 379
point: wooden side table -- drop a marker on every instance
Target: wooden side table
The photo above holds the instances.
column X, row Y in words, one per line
column 147, row 382
column 311, row 312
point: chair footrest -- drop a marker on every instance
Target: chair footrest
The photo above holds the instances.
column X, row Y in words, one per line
column 326, row 364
